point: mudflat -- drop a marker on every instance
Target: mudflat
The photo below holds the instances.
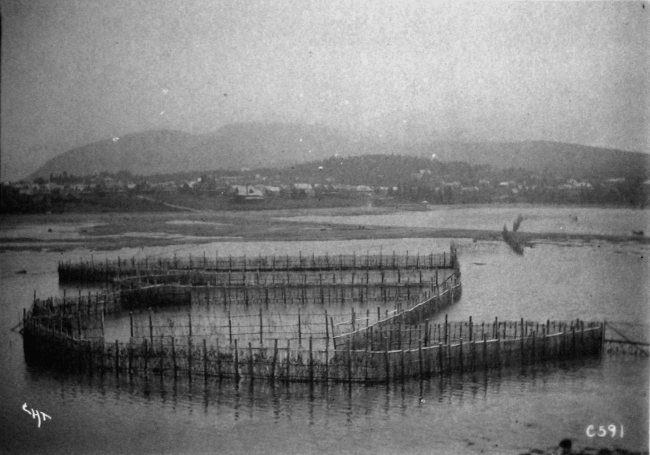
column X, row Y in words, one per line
column 110, row 231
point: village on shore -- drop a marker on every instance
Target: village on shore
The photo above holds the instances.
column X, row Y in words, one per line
column 333, row 182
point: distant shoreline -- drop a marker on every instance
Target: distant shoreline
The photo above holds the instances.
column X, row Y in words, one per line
column 64, row 232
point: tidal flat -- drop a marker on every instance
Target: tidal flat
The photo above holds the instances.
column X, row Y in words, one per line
column 104, row 232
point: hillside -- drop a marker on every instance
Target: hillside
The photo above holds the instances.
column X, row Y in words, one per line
column 231, row 147
column 255, row 145
column 569, row 160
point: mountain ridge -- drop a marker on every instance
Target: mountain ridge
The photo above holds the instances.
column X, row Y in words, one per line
column 257, row 145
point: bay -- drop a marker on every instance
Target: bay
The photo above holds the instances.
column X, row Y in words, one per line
column 500, row 412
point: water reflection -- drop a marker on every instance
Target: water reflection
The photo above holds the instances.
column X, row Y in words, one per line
column 280, row 400
column 534, row 404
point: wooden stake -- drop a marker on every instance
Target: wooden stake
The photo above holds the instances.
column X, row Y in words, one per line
column 523, row 353
column 174, row 356
column 189, row 358
column 532, row 352
column 485, row 359
column 150, row 325
column 299, row 330
column 387, row 360
column 349, row 349
column 311, row 361
column 205, row 349
column 288, row 373
column 327, row 333
column 229, row 328
column 218, row 353
column 420, row 359
column 130, row 352
column 573, row 341
column 275, row 359
column 236, row 366
column 117, row 358
column 446, row 330
column 250, row 361
column 163, row 357
column 498, row 348
column 146, row 357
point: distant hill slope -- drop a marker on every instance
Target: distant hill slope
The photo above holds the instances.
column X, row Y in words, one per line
column 231, row 147
column 255, row 145
column 557, row 158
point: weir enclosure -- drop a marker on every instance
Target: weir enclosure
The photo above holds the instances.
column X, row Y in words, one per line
column 307, row 318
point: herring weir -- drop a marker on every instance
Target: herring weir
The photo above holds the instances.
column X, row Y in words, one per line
column 273, row 318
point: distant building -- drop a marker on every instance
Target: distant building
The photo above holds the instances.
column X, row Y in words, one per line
column 272, row 190
column 79, row 187
column 364, row 189
column 247, row 193
column 303, row 190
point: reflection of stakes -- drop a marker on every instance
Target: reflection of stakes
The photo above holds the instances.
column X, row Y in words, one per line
column 275, row 358
column 287, row 376
column 236, row 365
column 174, row 356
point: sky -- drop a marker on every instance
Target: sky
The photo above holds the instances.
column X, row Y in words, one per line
column 79, row 71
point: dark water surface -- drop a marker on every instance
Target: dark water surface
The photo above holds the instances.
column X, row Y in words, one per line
column 501, row 412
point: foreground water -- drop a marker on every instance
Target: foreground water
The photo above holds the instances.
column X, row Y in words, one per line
column 503, row 412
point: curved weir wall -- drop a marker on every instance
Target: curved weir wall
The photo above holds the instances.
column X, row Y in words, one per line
column 394, row 344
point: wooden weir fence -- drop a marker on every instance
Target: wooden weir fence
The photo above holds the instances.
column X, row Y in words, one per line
column 178, row 295
column 293, row 345
column 207, row 357
column 412, row 277
column 107, row 270
column 260, row 324
column 627, row 338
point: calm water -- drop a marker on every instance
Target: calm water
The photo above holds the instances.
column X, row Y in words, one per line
column 503, row 412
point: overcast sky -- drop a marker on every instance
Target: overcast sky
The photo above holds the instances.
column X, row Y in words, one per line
column 79, row 71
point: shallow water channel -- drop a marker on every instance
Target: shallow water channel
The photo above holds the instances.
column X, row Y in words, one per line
column 500, row 412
